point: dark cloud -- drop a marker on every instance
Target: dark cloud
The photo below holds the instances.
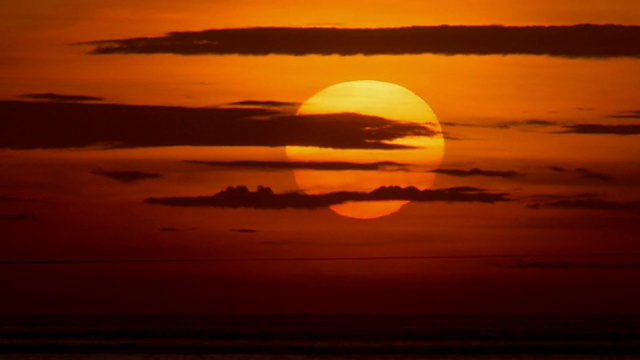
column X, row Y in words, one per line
column 542, row 197
column 584, row 174
column 625, row 116
column 534, row 122
column 263, row 103
column 503, row 125
column 566, row 41
column 127, row 176
column 265, row 198
column 445, row 123
column 246, row 231
column 307, row 165
column 174, row 229
column 448, row 136
column 598, row 129
column 61, row 97
column 477, row 172
column 540, row 265
column 590, row 204
column 506, row 124
column 538, row 123
column 633, row 114
column 587, row 195
column 18, row 217
column 32, row 125
column 593, row 175
column 567, row 265
column 326, row 24
column 11, row 199
column 276, row 243
column 538, row 198
column 169, row 229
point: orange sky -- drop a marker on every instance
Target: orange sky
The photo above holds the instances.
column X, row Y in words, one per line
column 513, row 118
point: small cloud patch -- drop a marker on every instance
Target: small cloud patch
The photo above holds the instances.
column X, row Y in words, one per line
column 127, row 176
column 60, row 97
column 246, row 231
column 18, row 217
column 593, row 175
column 477, row 172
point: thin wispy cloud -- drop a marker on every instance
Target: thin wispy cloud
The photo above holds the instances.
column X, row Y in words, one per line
column 127, row 176
column 563, row 127
column 566, row 41
column 477, row 172
column 11, row 199
column 601, row 129
column 60, row 97
column 245, row 231
column 306, row 165
column 175, row 229
column 570, row 265
column 594, row 175
column 263, row 103
column 590, row 204
column 632, row 114
column 18, row 217
column 527, row 124
column 534, row 123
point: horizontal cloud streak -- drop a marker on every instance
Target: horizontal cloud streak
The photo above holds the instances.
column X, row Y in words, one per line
column 633, row 114
column 61, row 97
column 533, row 122
column 33, row 125
column 306, row 165
column 506, row 124
column 11, row 199
column 265, row 198
column 556, row 168
column 127, row 176
column 263, row 103
column 245, row 231
column 591, row 204
column 566, row 41
column 593, row 175
column 598, row 129
column 18, row 217
column 567, row 265
column 175, row 230
column 477, row 172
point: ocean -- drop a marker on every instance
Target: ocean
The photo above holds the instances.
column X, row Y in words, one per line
column 303, row 337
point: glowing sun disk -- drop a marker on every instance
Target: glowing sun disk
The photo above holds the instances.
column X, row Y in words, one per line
column 381, row 99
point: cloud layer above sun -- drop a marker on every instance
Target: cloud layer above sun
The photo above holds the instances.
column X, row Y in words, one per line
column 565, row 41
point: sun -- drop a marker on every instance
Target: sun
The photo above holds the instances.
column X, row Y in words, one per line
column 374, row 98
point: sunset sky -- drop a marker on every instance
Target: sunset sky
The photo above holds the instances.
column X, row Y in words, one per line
column 512, row 153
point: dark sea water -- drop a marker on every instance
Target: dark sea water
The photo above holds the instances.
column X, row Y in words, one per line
column 320, row 337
